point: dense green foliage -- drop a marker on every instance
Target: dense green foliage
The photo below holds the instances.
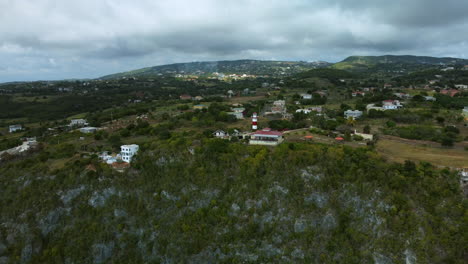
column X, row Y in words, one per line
column 233, row 204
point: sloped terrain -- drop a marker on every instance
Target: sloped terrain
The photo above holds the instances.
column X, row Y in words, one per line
column 231, row 203
column 256, row 67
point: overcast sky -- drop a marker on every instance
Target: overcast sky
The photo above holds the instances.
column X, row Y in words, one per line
column 57, row 39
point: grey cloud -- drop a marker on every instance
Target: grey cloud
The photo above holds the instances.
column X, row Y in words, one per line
column 90, row 37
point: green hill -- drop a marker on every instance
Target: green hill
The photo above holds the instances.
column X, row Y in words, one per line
column 403, row 63
column 257, row 67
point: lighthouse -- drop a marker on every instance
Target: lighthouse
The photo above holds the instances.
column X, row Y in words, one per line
column 254, row 121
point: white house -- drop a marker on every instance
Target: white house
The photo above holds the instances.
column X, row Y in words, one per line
column 238, row 109
column 305, row 111
column 429, row 98
column 465, row 113
column 220, row 134
column 128, row 151
column 266, row 137
column 364, row 136
column 236, row 114
column 464, row 175
column 14, row 128
column 306, row 96
column 279, row 103
column 88, row 130
column 391, row 104
column 352, row 113
column 461, row 86
column 78, row 122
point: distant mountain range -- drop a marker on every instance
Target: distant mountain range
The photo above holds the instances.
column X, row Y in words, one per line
column 387, row 63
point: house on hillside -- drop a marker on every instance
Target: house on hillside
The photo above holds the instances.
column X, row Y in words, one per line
column 78, row 122
column 465, row 113
column 355, row 114
column 449, row 92
column 199, row 107
column 238, row 115
column 461, row 86
column 357, row 93
column 14, row 128
column 185, row 97
column 391, row 104
column 306, row 96
column 305, row 111
column 429, row 98
column 369, row 137
column 220, row 134
column 266, row 137
column 278, row 107
column 464, row 175
column 402, row 95
column 88, row 130
column 128, row 151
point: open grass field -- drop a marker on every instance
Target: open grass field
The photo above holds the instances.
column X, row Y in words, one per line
column 400, row 151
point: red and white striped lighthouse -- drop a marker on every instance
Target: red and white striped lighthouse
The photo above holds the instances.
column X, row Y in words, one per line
column 254, row 121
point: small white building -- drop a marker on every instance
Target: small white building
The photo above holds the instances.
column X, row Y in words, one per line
column 352, row 113
column 464, row 175
column 281, row 103
column 88, row 130
column 238, row 115
column 128, row 151
column 14, row 128
column 465, row 113
column 305, row 111
column 306, row 96
column 220, row 134
column 78, row 122
column 429, row 98
column 391, row 104
column 461, row 86
column 364, row 135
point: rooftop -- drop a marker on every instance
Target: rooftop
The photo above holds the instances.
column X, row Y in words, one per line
column 267, row 132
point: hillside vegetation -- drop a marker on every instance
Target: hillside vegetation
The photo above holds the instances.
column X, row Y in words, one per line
column 231, row 203
column 395, row 63
column 256, row 67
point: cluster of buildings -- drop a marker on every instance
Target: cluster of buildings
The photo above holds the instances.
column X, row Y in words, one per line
column 317, row 109
column 265, row 137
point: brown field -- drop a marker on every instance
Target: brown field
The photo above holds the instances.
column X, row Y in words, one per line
column 400, row 151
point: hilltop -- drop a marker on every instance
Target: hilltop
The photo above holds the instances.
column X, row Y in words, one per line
column 254, row 67
column 395, row 63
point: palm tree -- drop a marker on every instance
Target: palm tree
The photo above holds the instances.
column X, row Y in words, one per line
column 351, row 121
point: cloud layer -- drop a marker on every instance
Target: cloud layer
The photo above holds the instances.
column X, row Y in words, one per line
column 54, row 39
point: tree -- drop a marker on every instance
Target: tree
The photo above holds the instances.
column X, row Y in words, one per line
column 367, row 129
column 350, row 121
column 390, row 124
column 447, row 141
column 440, row 120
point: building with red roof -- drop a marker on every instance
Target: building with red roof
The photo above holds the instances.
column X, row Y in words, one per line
column 266, row 137
column 451, row 92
